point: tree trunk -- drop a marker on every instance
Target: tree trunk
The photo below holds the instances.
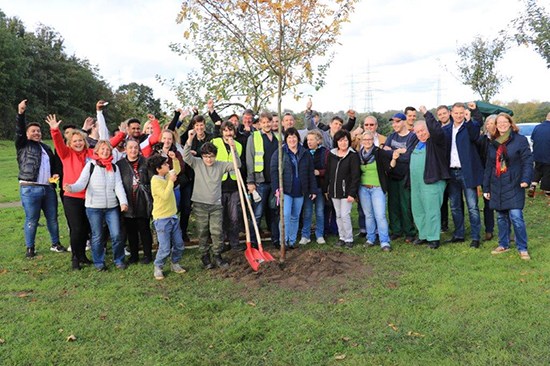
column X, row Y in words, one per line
column 281, row 194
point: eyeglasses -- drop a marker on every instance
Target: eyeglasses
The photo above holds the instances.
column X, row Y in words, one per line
column 211, row 157
column 370, row 124
column 368, row 139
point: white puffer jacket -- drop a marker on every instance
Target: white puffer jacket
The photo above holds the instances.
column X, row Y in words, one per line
column 104, row 188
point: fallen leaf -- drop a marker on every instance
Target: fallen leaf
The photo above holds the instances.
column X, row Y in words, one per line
column 392, row 285
column 211, row 346
column 182, row 305
column 390, row 325
column 4, row 271
column 341, row 300
column 71, row 338
column 60, row 330
column 33, row 299
column 521, row 280
column 346, row 339
column 251, row 303
column 523, row 273
column 511, row 343
column 122, row 277
column 340, row 357
column 355, row 344
column 394, row 328
column 23, row 294
column 103, row 316
column 2, row 340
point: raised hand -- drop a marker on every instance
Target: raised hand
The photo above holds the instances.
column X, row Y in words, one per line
column 88, row 124
column 309, row 104
column 22, row 107
column 151, row 117
column 123, row 127
column 351, row 113
column 210, row 105
column 472, row 105
column 53, row 122
column 99, row 105
column 423, row 109
column 192, row 134
column 172, row 155
column 357, row 132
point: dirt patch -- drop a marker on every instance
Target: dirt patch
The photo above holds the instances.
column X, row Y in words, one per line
column 302, row 269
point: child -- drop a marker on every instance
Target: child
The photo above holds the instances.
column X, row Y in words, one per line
column 207, row 197
column 165, row 211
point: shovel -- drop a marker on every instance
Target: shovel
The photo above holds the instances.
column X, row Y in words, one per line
column 266, row 256
column 252, row 255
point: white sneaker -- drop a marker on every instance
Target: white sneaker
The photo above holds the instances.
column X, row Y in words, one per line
column 304, row 241
column 88, row 245
column 321, row 240
column 126, row 252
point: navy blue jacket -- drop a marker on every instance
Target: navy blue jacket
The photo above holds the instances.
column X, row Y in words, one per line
column 506, row 193
column 541, row 142
column 468, row 134
column 305, row 172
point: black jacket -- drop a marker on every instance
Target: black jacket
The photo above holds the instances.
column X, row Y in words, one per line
column 342, row 175
column 29, row 153
column 305, row 172
column 140, row 207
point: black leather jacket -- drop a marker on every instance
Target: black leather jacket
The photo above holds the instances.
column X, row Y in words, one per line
column 29, row 153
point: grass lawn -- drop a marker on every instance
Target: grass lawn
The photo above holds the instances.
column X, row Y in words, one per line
column 450, row 306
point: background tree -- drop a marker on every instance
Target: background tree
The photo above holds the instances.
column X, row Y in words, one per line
column 533, row 29
column 477, row 66
column 134, row 101
column 284, row 38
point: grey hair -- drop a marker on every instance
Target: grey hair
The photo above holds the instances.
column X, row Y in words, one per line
column 492, row 117
column 368, row 132
column 419, row 123
column 371, row 117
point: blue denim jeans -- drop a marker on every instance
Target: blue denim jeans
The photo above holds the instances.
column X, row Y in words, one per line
column 319, row 215
column 505, row 220
column 96, row 217
column 456, row 187
column 35, row 199
column 168, row 232
column 373, row 202
column 292, row 210
column 260, row 208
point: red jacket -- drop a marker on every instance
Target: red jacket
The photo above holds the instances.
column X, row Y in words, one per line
column 73, row 161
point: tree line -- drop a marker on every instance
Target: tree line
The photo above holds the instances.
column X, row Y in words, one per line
column 36, row 67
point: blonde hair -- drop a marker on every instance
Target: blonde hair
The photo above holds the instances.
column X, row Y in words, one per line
column 317, row 134
column 101, row 143
column 73, row 132
column 146, row 126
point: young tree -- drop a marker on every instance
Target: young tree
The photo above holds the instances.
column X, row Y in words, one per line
column 533, row 28
column 282, row 37
column 477, row 66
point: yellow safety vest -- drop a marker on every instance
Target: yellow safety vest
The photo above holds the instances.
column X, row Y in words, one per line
column 224, row 155
column 259, row 151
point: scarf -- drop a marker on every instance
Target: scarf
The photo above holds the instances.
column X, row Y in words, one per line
column 502, row 153
column 367, row 157
column 105, row 163
column 420, row 145
column 293, row 160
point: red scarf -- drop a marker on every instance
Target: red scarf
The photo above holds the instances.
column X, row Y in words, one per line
column 106, row 163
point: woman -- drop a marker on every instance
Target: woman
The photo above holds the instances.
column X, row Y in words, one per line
column 104, row 192
column 74, row 155
column 167, row 139
column 483, row 143
column 136, row 181
column 299, row 182
column 508, row 171
column 319, row 155
column 428, row 171
column 342, row 179
column 372, row 191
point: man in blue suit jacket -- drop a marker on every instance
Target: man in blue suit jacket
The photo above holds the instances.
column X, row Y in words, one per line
column 466, row 170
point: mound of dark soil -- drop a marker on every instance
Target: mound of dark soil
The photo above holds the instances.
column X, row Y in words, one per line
column 301, row 269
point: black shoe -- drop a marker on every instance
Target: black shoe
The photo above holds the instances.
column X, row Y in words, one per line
column 239, row 248
column 433, row 244
column 420, row 242
column 185, row 238
column 75, row 265
column 146, row 260
column 349, row 245
column 394, row 237
column 222, row 263
column 207, row 264
column 488, row 236
column 58, row 248
column 30, row 252
column 339, row 244
column 277, row 245
column 133, row 260
column 444, row 229
column 531, row 191
column 85, row 260
column 454, row 239
column 122, row 266
column 474, row 244
column 409, row 239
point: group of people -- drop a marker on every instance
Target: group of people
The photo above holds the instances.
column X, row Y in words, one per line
column 119, row 184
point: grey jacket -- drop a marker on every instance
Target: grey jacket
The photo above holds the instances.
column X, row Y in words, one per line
column 252, row 176
column 104, row 188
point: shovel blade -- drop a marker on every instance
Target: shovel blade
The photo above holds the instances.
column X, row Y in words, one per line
column 253, row 257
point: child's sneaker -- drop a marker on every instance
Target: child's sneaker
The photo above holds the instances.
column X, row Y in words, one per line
column 175, row 267
column 58, row 248
column 222, row 263
column 158, row 273
column 304, row 241
column 321, row 240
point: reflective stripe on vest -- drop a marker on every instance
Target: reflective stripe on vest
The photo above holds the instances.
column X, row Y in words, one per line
column 224, row 155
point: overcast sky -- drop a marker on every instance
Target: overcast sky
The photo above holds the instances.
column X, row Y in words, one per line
column 406, row 44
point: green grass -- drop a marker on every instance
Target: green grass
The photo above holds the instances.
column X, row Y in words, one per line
column 451, row 306
column 9, row 185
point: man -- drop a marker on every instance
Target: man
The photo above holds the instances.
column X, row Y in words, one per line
column 410, row 113
column 399, row 198
column 370, row 124
column 466, row 170
column 37, row 174
column 134, row 129
column 288, row 121
column 335, row 125
column 444, row 116
column 241, row 131
column 260, row 148
column 541, row 156
column 230, row 192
